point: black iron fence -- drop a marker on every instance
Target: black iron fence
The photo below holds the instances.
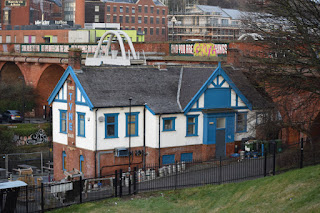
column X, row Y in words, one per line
column 49, row 196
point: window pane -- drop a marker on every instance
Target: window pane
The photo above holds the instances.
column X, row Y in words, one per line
column 221, row 123
column 132, row 130
column 110, row 119
column 168, row 124
column 133, row 118
column 110, row 130
column 81, row 127
column 63, row 126
column 63, row 115
column 191, row 120
column 191, row 129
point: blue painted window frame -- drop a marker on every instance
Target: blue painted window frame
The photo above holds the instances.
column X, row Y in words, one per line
column 192, row 123
column 63, row 119
column 81, row 160
column 84, row 124
column 185, row 157
column 169, row 159
column 238, row 130
column 173, row 124
column 136, row 122
column 115, row 124
column 64, row 160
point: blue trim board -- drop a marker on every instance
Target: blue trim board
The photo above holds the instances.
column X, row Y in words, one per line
column 136, row 114
column 216, row 72
column 115, row 123
column 173, row 125
column 69, row 71
column 150, row 110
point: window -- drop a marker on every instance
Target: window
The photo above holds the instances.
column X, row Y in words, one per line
column 169, row 124
column 127, row 9
column 81, row 163
column 54, row 39
column 63, row 121
column 157, row 31
column 127, row 19
column 145, row 31
column 111, row 121
column 192, row 125
column 139, row 19
column 133, row 10
column 8, row 39
column 241, row 122
column 108, row 18
column 158, row 11
column 163, row 31
column 64, row 161
column 133, row 19
column 221, row 123
column 163, row 11
column 81, row 124
column 132, row 124
column 114, row 19
column 145, row 9
column 108, row 8
column 0, row 39
column 157, row 20
column 224, row 22
column 140, row 8
column 168, row 159
column 151, row 20
column 186, row 157
column 25, row 39
column 96, row 8
column 120, row 19
column 114, row 9
column 146, row 20
column 151, row 31
column 151, row 9
column 163, row 20
column 121, row 9
column 96, row 18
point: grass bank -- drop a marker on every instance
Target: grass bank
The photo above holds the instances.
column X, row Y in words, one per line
column 294, row 191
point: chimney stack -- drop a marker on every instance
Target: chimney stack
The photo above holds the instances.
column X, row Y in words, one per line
column 74, row 58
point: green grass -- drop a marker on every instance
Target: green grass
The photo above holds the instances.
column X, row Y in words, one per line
column 294, row 191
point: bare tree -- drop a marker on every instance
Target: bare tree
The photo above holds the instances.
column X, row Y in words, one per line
column 286, row 62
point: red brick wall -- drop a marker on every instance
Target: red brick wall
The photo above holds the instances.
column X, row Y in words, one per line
column 80, row 12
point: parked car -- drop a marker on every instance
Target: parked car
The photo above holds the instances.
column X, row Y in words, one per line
column 12, row 116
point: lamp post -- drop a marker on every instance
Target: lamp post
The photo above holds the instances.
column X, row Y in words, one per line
column 23, row 98
column 173, row 20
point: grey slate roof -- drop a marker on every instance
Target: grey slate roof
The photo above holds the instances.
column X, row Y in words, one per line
column 113, row 86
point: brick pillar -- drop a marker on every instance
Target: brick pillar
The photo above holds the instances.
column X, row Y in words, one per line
column 74, row 58
column 80, row 13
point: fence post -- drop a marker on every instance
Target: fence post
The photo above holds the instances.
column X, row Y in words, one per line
column 80, row 182
column 129, row 181
column 27, row 200
column 176, row 177
column 42, row 198
column 135, row 180
column 220, row 170
column 301, row 155
column 116, row 183
column 265, row 164
column 274, row 157
column 120, row 183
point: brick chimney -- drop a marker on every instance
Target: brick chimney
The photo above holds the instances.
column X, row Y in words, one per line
column 74, row 58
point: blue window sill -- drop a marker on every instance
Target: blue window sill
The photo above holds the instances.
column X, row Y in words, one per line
column 132, row 136
column 63, row 132
column 169, row 130
column 111, row 137
column 191, row 135
column 82, row 136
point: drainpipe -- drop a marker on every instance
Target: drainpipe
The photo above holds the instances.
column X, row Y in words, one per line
column 96, row 145
column 159, row 142
column 144, row 137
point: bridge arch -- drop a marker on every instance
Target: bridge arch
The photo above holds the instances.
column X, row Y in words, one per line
column 49, row 78
column 11, row 73
column 118, row 34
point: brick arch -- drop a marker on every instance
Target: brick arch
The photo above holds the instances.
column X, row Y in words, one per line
column 10, row 73
column 45, row 85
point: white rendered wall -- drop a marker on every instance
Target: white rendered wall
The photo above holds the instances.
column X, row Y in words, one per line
column 152, row 130
column 58, row 137
column 87, row 142
column 251, row 124
column 122, row 140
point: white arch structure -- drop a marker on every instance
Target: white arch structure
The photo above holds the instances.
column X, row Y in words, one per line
column 118, row 34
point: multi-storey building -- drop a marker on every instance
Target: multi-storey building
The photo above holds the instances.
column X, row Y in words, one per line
column 26, row 12
column 148, row 17
column 206, row 23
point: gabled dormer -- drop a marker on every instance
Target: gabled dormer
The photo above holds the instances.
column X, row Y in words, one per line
column 218, row 92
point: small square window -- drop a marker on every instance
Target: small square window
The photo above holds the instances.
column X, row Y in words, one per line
column 140, row 8
column 221, row 123
column 114, row 9
column 169, row 124
column 121, row 9
column 96, row 8
column 133, row 10
column 151, row 9
column 146, row 9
